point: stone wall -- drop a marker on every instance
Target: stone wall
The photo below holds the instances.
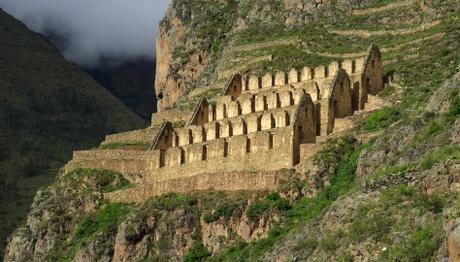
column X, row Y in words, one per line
column 365, row 74
column 268, row 150
column 229, row 181
column 132, row 137
column 372, row 75
column 341, row 95
column 171, row 115
column 131, row 164
column 259, row 124
column 239, row 125
column 228, row 107
column 200, row 114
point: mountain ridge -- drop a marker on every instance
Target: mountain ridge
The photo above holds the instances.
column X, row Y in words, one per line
column 49, row 107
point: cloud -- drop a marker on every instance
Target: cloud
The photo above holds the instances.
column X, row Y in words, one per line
column 88, row 30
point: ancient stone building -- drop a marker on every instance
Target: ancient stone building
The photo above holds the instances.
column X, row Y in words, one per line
column 257, row 126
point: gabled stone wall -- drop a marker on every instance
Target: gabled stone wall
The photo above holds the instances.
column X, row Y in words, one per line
column 258, row 124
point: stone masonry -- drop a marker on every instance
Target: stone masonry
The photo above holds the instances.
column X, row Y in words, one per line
column 257, row 125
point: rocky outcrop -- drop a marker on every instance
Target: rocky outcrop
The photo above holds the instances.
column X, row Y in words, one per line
column 56, row 211
column 72, row 220
column 190, row 45
column 453, row 241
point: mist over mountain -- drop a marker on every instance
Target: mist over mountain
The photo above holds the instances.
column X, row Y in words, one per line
column 113, row 41
column 87, row 31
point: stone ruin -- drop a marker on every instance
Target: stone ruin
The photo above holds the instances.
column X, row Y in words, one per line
column 257, row 127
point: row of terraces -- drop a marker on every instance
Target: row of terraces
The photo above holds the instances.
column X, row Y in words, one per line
column 258, row 124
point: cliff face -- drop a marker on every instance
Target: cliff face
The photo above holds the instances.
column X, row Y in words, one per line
column 194, row 37
column 385, row 190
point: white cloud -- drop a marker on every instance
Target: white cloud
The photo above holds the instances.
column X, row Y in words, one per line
column 119, row 29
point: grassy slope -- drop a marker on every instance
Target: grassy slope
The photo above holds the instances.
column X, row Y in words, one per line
column 422, row 68
column 48, row 107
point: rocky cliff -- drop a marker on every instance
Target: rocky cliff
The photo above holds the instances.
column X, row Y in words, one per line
column 194, row 37
column 384, row 190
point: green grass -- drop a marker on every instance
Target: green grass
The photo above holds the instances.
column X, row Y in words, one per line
column 272, row 202
column 140, row 145
column 395, row 212
column 105, row 219
column 369, row 223
column 302, row 211
column 197, row 252
column 224, row 210
column 454, row 111
column 329, row 242
column 307, row 245
column 420, row 246
column 381, row 119
column 439, row 154
column 386, row 170
column 102, row 180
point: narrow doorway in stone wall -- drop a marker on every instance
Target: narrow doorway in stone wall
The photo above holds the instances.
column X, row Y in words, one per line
column 336, row 109
column 204, row 153
column 355, row 97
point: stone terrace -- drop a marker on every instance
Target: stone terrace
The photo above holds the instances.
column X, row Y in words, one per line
column 257, row 125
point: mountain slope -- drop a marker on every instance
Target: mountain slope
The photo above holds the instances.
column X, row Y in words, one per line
column 386, row 190
column 130, row 81
column 48, row 107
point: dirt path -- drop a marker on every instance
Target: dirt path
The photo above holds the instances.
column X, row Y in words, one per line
column 383, row 8
column 384, row 49
column 250, row 47
column 370, row 33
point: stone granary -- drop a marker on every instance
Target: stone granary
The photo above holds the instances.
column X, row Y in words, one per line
column 258, row 126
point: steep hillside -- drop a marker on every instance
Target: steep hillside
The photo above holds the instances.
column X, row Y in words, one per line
column 48, row 107
column 386, row 190
column 131, row 82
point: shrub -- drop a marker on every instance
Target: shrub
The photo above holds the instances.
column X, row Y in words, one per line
column 105, row 219
column 420, row 246
column 434, row 127
column 433, row 203
column 345, row 256
column 197, row 252
column 454, row 111
column 222, row 210
column 396, row 195
column 272, row 201
column 307, row 245
column 370, row 223
column 381, row 119
column 433, row 157
column 171, row 201
column 386, row 170
column 329, row 242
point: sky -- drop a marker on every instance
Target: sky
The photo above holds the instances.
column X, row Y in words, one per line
column 87, row 30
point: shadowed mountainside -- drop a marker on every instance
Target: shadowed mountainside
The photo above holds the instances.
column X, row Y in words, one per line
column 48, row 107
column 131, row 82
